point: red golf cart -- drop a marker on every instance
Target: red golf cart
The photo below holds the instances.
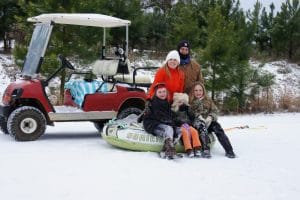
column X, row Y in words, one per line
column 26, row 110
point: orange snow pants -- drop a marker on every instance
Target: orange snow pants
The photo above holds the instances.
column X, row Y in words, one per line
column 190, row 138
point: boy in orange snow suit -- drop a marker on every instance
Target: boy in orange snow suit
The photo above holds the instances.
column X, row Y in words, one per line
column 183, row 117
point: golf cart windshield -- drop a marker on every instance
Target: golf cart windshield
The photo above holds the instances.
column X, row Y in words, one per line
column 37, row 48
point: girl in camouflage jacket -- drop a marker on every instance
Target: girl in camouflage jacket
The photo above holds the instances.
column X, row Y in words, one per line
column 206, row 114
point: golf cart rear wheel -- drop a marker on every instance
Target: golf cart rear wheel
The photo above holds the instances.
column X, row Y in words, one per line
column 3, row 125
column 26, row 123
column 99, row 125
column 128, row 111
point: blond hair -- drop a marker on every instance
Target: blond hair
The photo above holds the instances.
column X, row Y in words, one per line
column 166, row 68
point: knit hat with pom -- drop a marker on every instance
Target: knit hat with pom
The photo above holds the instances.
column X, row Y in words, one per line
column 183, row 43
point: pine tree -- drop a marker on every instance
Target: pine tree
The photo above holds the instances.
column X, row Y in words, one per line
column 255, row 24
column 286, row 30
column 183, row 24
column 219, row 42
column 9, row 12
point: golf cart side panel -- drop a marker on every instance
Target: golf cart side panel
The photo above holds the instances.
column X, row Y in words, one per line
column 103, row 101
column 111, row 100
column 68, row 99
column 100, row 101
column 32, row 90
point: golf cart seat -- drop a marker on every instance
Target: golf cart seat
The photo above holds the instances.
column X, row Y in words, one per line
column 120, row 72
column 140, row 80
column 105, row 67
column 79, row 88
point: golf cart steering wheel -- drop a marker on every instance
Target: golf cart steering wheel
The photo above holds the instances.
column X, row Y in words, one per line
column 65, row 62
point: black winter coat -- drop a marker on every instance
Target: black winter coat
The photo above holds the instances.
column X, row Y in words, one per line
column 159, row 112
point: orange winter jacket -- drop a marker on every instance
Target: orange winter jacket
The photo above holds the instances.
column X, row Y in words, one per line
column 173, row 78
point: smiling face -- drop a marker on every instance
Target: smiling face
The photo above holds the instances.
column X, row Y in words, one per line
column 173, row 63
column 184, row 50
column 162, row 93
column 198, row 91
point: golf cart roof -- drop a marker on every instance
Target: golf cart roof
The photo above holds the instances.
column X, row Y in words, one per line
column 85, row 19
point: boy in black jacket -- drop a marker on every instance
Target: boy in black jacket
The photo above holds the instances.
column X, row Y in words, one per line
column 158, row 120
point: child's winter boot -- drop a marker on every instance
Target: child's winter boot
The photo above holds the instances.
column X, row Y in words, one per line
column 169, row 147
column 190, row 153
column 206, row 153
column 230, row 154
column 197, row 152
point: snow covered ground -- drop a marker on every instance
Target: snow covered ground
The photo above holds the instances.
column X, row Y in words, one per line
column 287, row 77
column 5, row 61
column 72, row 162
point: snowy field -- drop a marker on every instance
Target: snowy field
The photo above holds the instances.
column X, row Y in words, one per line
column 72, row 162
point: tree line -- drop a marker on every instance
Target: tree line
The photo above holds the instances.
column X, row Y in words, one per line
column 223, row 36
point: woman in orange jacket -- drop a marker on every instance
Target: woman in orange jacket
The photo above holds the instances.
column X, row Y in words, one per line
column 170, row 74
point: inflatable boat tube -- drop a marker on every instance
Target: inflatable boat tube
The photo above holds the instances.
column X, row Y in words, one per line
column 136, row 139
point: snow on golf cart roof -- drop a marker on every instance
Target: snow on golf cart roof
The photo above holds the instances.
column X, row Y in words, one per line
column 85, row 19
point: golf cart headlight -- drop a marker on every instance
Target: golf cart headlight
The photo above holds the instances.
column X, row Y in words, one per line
column 9, row 97
column 6, row 98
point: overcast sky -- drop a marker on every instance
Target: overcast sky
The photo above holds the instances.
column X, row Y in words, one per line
column 249, row 4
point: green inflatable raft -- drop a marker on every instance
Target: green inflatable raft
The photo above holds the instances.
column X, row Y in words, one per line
column 127, row 134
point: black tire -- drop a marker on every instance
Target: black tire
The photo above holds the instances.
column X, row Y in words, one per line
column 99, row 125
column 128, row 111
column 26, row 123
column 3, row 125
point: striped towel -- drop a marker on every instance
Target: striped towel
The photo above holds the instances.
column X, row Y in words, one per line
column 79, row 88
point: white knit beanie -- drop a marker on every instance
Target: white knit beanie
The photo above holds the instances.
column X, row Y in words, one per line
column 173, row 55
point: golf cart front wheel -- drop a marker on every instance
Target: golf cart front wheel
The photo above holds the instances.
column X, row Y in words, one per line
column 26, row 123
column 3, row 125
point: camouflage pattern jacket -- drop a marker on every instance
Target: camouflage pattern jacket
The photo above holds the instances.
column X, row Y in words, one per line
column 204, row 108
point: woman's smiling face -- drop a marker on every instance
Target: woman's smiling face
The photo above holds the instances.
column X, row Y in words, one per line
column 173, row 63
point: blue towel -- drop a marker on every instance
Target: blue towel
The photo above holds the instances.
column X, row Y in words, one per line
column 79, row 88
